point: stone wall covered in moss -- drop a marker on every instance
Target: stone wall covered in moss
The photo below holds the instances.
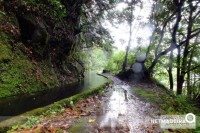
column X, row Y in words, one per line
column 34, row 56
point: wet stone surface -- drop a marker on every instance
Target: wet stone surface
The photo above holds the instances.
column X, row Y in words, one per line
column 118, row 111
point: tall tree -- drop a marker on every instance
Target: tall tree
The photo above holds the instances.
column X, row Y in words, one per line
column 180, row 80
column 184, row 13
column 174, row 41
column 130, row 21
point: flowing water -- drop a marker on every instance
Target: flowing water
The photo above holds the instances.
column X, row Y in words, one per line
column 19, row 104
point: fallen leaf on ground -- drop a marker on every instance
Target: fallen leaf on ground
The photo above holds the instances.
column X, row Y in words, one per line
column 91, row 120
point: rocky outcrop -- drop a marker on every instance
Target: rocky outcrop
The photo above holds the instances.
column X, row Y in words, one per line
column 34, row 34
column 39, row 55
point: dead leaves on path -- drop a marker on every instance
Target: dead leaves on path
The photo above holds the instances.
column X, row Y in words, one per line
column 63, row 121
column 42, row 129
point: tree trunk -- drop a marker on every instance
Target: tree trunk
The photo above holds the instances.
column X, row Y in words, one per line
column 178, row 62
column 162, row 32
column 173, row 44
column 129, row 42
column 189, row 91
column 170, row 71
column 185, row 52
column 150, row 42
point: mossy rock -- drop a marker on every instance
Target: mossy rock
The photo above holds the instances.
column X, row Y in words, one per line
column 34, row 34
column 19, row 74
column 5, row 93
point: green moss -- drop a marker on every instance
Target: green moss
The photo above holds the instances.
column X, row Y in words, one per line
column 79, row 127
column 176, row 105
column 55, row 107
column 2, row 14
column 18, row 74
column 5, row 93
column 147, row 95
column 167, row 103
column 48, row 75
column 5, row 53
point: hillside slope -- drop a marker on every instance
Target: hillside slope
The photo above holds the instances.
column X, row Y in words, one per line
column 35, row 53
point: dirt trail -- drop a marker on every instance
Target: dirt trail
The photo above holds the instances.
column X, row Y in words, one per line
column 118, row 110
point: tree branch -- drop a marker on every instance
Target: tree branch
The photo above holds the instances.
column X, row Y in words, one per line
column 193, row 68
column 196, row 15
column 162, row 31
column 196, row 30
column 192, row 36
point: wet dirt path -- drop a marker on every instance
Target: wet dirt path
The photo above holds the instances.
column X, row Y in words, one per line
column 118, row 110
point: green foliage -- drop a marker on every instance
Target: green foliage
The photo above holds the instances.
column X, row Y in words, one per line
column 18, row 78
column 51, row 8
column 13, row 128
column 160, row 74
column 182, row 104
column 2, row 14
column 98, row 59
column 115, row 63
column 147, row 95
column 18, row 74
column 178, row 105
column 163, row 16
column 54, row 110
column 95, row 59
column 32, row 121
column 5, row 53
column 168, row 104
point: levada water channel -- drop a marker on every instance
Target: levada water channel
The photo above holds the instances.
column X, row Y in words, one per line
column 19, row 104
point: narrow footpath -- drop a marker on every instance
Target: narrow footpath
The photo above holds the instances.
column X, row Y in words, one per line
column 118, row 110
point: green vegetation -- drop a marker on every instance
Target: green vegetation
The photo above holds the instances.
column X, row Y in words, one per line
column 38, row 42
column 78, row 127
column 37, row 115
column 169, row 104
column 147, row 95
column 5, row 55
column 98, row 59
column 95, row 59
column 115, row 63
column 57, row 10
column 20, row 75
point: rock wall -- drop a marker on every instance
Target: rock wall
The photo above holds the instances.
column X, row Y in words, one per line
column 35, row 50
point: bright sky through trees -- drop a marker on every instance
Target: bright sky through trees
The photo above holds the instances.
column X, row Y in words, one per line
column 142, row 28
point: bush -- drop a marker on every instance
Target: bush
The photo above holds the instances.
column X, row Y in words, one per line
column 115, row 63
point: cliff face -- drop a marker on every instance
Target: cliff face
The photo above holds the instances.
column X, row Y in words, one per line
column 36, row 49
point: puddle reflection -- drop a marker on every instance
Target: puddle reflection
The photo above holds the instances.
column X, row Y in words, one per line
column 116, row 107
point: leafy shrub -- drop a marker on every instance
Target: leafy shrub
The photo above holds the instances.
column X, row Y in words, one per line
column 115, row 63
column 52, row 8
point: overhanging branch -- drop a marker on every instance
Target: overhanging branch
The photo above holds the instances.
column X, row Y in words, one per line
column 193, row 68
